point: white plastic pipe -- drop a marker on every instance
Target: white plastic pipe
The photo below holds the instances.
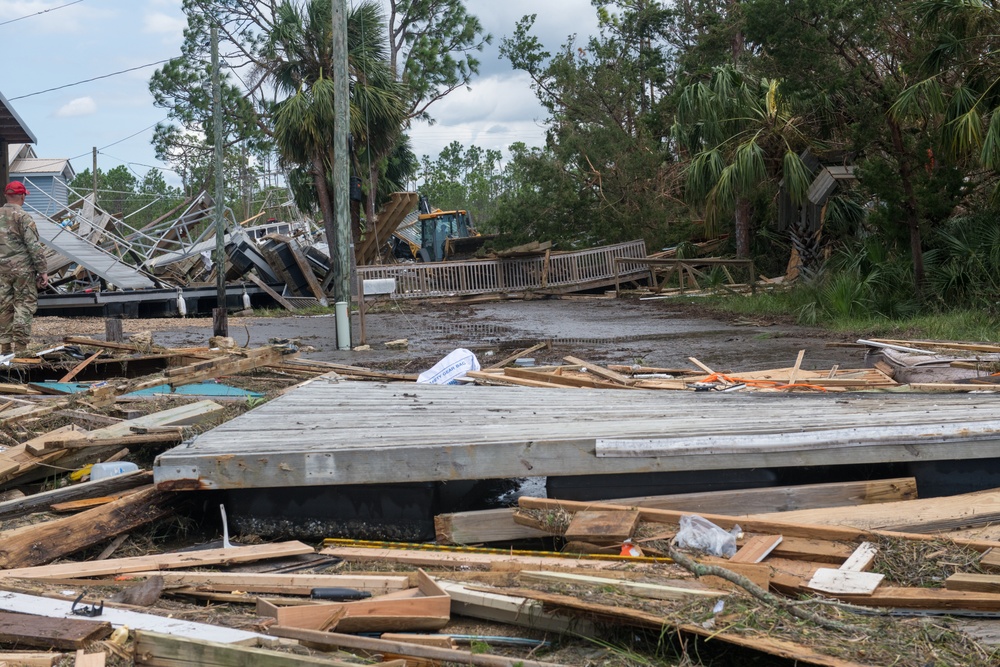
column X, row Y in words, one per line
column 343, row 325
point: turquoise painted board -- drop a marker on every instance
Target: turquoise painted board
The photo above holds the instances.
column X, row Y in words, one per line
column 210, row 389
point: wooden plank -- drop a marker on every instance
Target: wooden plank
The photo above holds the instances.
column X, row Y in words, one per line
column 971, row 581
column 844, row 582
column 203, row 558
column 131, row 440
column 79, row 367
column 507, row 563
column 497, row 525
column 30, row 658
column 424, row 608
column 795, row 368
column 517, row 355
column 281, row 584
column 517, row 611
column 61, row 633
column 280, row 300
column 756, row 549
column 36, row 544
column 638, row 589
column 601, row 371
column 89, row 503
column 331, row 640
column 610, row 526
column 153, row 649
column 60, row 609
column 862, row 558
column 89, row 659
column 925, row 515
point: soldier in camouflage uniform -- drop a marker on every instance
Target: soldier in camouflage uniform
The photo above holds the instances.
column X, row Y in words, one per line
column 22, row 270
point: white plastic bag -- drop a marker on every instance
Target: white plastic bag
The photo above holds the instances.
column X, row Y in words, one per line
column 700, row 534
column 455, row 365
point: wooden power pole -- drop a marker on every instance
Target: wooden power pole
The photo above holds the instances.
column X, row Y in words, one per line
column 341, row 172
column 220, row 322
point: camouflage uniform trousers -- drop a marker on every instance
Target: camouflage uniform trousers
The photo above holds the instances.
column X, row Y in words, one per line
column 18, row 302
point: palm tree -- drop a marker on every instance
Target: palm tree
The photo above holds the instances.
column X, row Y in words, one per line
column 297, row 58
column 961, row 85
column 742, row 136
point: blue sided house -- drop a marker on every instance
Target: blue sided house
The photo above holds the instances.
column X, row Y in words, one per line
column 47, row 179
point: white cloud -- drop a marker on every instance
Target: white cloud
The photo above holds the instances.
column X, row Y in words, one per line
column 81, row 106
column 164, row 24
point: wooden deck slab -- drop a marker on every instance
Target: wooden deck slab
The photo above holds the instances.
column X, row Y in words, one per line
column 328, row 432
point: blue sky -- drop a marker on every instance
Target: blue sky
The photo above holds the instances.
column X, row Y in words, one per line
column 59, row 42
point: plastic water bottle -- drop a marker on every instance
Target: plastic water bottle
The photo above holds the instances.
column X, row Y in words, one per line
column 105, row 470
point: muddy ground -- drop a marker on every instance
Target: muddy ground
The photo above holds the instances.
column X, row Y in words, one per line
column 661, row 333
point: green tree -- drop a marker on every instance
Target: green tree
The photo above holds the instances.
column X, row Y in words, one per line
column 464, row 178
column 432, row 47
column 607, row 101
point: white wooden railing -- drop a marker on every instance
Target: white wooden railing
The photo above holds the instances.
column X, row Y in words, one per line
column 594, row 267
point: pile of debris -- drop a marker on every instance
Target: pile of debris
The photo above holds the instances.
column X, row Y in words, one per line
column 718, row 569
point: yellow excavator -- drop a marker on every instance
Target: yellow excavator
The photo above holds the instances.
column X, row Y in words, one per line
column 436, row 235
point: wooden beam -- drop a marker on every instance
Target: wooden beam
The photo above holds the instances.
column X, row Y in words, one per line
column 787, row 529
column 153, row 649
column 601, row 371
column 636, row 588
column 280, row 300
column 203, row 558
column 280, row 584
column 37, row 502
column 517, row 355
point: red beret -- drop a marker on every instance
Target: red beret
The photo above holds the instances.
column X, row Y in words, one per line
column 16, row 188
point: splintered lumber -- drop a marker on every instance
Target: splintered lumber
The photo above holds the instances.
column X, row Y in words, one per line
column 37, row 502
column 56, row 609
column 497, row 525
column 336, row 640
column 639, row 589
column 904, row 598
column 158, row 650
column 756, row 549
column 40, row 543
column 862, row 558
column 634, row 617
column 17, row 460
column 788, row 529
column 610, row 526
column 61, row 633
column 991, row 560
column 228, row 365
column 925, row 515
column 519, row 611
column 115, row 566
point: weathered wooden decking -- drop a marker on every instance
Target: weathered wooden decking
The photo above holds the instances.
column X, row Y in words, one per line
column 327, row 432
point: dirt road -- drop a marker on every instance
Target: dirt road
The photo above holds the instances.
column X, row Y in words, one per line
column 651, row 333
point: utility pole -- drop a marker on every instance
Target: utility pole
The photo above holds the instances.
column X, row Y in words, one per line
column 220, row 320
column 341, row 169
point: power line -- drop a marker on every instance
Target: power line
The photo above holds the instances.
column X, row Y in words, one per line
column 103, row 76
column 44, row 11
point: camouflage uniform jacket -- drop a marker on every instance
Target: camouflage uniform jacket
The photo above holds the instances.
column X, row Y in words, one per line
column 20, row 249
